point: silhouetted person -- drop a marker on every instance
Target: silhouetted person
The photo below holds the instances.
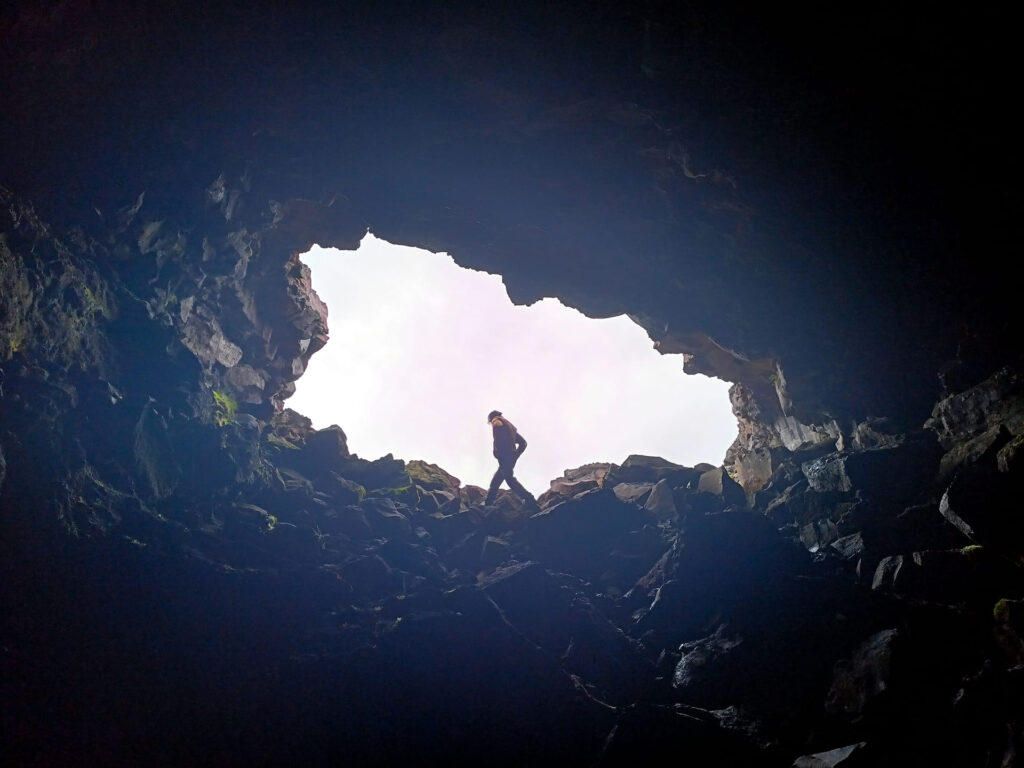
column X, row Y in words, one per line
column 508, row 447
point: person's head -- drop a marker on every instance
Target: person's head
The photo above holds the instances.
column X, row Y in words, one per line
column 492, row 416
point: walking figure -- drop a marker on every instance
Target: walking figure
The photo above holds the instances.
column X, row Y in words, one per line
column 508, row 447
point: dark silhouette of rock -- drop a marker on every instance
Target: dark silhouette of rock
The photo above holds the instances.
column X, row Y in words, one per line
column 864, row 676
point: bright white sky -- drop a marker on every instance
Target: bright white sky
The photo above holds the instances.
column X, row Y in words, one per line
column 421, row 350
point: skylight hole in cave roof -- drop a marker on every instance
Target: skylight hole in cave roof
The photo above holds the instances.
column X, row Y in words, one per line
column 421, row 350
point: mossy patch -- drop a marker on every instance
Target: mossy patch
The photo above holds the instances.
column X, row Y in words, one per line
column 406, row 495
column 430, row 476
column 973, row 551
column 224, row 408
column 265, row 521
column 281, row 444
column 1007, row 611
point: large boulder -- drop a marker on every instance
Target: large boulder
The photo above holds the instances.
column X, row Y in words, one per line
column 999, row 400
column 651, row 469
column 898, row 473
column 577, row 535
column 717, row 484
column 982, row 503
column 550, row 613
column 972, row 577
column 575, row 482
column 863, row 677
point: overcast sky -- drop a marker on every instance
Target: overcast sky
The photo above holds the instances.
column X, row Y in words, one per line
column 421, row 350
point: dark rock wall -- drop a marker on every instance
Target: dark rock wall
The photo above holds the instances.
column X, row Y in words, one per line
column 810, row 204
column 796, row 186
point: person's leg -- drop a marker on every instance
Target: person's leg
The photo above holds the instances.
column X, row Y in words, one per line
column 492, row 491
column 518, row 488
column 507, row 468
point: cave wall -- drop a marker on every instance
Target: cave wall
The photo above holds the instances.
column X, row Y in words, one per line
column 775, row 194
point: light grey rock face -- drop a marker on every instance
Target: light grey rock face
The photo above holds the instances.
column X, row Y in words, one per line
column 797, row 436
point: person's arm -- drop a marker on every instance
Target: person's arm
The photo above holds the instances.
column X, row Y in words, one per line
column 520, row 444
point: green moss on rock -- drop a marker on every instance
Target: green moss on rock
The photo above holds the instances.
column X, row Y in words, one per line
column 225, row 408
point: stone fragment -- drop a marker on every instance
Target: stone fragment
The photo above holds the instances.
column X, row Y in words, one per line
column 973, row 503
column 796, row 436
column 350, row 521
column 863, row 677
column 632, row 493
column 818, row 534
column 651, row 469
column 997, row 400
column 660, row 503
column 154, row 453
column 876, row 433
column 753, row 469
column 596, row 471
column 385, row 518
column 849, row 547
column 431, row 477
column 972, row 575
column 917, row 527
column 886, row 572
column 203, row 337
column 716, row 482
column 828, row 473
column 988, row 443
column 894, row 474
column 1009, row 459
column 699, row 655
column 369, row 576
column 575, row 482
column 248, row 381
column 842, row 757
column 554, row 533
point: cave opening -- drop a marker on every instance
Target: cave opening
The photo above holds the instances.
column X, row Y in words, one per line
column 422, row 349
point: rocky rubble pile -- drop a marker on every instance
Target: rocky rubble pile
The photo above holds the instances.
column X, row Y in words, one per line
column 192, row 575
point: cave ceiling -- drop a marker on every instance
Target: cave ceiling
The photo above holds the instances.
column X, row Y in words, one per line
column 819, row 189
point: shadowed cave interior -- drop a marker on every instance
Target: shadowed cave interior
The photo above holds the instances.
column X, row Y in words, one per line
column 811, row 204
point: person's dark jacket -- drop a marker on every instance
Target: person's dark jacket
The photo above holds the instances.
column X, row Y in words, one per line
column 508, row 443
